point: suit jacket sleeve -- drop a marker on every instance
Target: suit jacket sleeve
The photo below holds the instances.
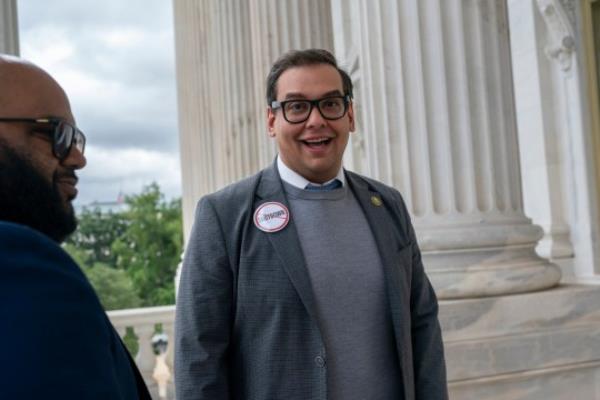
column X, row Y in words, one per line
column 204, row 312
column 429, row 366
column 56, row 339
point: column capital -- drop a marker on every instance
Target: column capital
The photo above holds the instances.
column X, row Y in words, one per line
column 559, row 16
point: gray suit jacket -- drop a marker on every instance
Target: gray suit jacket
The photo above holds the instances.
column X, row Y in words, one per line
column 245, row 322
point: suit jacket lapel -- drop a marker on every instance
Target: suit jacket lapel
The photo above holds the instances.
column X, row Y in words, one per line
column 286, row 242
column 380, row 222
column 389, row 240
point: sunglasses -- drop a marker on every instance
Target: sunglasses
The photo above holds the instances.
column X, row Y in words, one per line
column 64, row 135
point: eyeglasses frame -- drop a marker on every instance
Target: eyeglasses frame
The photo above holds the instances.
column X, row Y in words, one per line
column 55, row 122
column 313, row 103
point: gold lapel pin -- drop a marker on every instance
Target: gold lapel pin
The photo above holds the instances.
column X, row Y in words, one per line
column 376, row 201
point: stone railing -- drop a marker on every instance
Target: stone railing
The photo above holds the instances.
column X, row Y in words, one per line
column 138, row 327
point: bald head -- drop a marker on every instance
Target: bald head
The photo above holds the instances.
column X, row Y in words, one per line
column 37, row 179
column 28, row 90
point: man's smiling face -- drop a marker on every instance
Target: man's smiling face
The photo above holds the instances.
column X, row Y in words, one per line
column 315, row 147
column 39, row 187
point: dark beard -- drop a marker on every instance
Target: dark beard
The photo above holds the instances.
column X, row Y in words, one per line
column 27, row 198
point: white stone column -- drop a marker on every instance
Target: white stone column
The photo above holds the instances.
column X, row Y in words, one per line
column 346, row 23
column 216, row 98
column 277, row 27
column 438, row 115
column 9, row 27
column 224, row 51
column 556, row 130
column 542, row 141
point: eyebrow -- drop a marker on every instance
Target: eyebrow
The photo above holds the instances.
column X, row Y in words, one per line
column 295, row 95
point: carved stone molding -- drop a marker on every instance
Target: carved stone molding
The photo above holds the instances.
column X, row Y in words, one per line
column 559, row 16
column 569, row 7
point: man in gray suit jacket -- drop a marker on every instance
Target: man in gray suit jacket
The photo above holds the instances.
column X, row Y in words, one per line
column 305, row 280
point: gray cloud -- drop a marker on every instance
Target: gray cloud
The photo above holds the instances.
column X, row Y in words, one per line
column 149, row 14
column 115, row 60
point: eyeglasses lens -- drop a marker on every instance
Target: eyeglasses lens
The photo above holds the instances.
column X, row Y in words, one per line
column 297, row 110
column 79, row 141
column 63, row 136
column 332, row 108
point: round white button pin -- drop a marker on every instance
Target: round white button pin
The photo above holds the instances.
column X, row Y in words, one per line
column 271, row 217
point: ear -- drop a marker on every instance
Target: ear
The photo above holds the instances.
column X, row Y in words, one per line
column 351, row 115
column 271, row 122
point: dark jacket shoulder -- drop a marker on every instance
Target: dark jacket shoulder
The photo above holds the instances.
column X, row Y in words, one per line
column 61, row 341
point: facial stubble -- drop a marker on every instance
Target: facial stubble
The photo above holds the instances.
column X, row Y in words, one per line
column 28, row 198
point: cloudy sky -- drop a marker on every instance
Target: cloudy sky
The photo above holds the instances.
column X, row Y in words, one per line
column 115, row 60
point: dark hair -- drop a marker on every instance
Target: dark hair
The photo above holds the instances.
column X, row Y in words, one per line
column 299, row 58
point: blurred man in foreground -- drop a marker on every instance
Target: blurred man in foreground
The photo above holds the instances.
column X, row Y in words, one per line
column 57, row 341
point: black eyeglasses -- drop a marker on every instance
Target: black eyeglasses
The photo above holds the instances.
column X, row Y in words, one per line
column 64, row 134
column 297, row 111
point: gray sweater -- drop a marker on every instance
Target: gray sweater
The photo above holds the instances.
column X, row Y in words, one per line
column 348, row 283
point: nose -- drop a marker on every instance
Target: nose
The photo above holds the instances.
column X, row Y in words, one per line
column 315, row 119
column 75, row 159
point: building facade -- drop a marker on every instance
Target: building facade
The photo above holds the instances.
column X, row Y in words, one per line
column 501, row 179
column 483, row 113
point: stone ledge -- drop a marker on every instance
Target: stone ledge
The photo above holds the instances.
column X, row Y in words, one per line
column 529, row 346
column 575, row 381
column 490, row 357
column 568, row 305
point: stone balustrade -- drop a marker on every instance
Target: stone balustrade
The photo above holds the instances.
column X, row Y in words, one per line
column 137, row 327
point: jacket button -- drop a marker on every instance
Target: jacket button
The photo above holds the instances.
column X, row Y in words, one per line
column 320, row 361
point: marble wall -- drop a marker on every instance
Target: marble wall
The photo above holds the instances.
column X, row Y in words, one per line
column 438, row 123
column 533, row 346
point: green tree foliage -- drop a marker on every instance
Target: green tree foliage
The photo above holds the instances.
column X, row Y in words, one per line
column 131, row 257
column 149, row 249
column 114, row 287
column 79, row 255
column 95, row 235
